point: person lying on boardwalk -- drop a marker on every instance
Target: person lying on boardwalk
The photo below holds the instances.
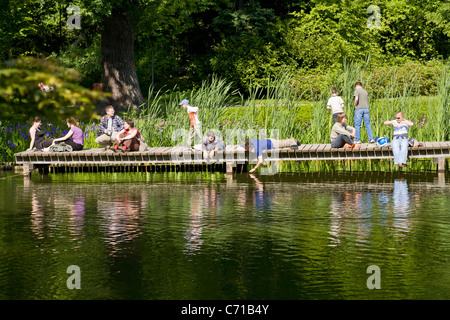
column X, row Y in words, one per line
column 400, row 142
column 342, row 134
column 258, row 146
column 110, row 126
column 211, row 144
column 74, row 138
column 128, row 138
column 36, row 134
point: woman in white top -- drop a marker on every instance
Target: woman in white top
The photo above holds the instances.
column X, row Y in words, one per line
column 400, row 142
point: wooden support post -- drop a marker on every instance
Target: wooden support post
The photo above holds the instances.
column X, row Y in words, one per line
column 230, row 167
column 27, row 169
column 440, row 164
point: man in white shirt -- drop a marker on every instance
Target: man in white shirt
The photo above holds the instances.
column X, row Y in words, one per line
column 195, row 126
column 336, row 104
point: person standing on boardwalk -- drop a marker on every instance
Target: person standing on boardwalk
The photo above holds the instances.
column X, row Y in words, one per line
column 110, row 126
column 400, row 141
column 195, row 126
column 336, row 104
column 362, row 113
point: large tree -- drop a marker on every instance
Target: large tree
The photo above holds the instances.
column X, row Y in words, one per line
column 117, row 57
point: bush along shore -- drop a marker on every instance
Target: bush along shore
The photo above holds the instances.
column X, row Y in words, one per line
column 279, row 105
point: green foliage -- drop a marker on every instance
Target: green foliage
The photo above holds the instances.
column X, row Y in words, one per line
column 20, row 93
column 251, row 49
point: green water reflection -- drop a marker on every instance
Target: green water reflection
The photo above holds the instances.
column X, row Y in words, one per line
column 209, row 236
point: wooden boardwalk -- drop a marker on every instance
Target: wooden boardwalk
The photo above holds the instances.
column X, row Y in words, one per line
column 438, row 151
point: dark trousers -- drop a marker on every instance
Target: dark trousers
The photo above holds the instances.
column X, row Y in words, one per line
column 341, row 140
column 75, row 146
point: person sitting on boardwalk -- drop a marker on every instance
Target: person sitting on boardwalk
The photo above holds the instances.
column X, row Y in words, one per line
column 110, row 126
column 342, row 135
column 400, row 142
column 336, row 104
column 74, row 138
column 211, row 144
column 258, row 146
column 36, row 134
column 128, row 138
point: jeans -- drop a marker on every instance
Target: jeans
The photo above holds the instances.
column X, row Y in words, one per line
column 362, row 114
column 341, row 140
column 400, row 149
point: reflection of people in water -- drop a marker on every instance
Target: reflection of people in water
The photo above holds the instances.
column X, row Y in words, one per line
column 122, row 218
column 263, row 199
column 44, row 206
column 194, row 231
column 350, row 209
column 206, row 205
column 401, row 207
column 78, row 211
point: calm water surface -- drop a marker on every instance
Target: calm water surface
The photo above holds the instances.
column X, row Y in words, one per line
column 205, row 236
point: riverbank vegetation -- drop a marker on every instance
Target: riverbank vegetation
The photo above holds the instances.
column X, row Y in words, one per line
column 251, row 67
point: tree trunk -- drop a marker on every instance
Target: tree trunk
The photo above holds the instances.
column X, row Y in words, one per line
column 118, row 69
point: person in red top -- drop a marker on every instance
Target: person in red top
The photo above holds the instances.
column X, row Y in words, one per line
column 128, row 138
column 195, row 126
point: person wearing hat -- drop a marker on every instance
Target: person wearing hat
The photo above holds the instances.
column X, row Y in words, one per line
column 195, row 127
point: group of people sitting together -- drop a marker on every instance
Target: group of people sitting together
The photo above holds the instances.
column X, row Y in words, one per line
column 122, row 136
column 115, row 134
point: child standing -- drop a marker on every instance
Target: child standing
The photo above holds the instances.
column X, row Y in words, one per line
column 335, row 103
column 195, row 127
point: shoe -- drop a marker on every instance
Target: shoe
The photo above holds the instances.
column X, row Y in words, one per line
column 347, row 146
column 357, row 142
column 371, row 141
column 294, row 147
column 356, row 146
column 298, row 143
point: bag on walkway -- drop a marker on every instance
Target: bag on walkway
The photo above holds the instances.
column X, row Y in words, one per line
column 61, row 147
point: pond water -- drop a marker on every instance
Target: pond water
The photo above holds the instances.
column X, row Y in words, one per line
column 178, row 236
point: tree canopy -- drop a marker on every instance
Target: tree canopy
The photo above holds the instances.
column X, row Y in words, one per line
column 182, row 42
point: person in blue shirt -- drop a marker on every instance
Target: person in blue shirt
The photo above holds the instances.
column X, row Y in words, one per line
column 259, row 145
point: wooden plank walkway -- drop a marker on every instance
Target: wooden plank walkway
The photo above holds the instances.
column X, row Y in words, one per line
column 438, row 151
